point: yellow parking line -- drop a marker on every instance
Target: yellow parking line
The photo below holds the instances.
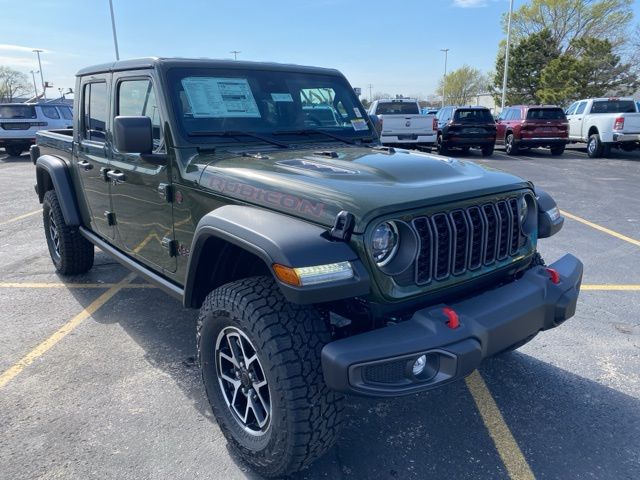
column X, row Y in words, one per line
column 633, row 241
column 620, row 288
column 62, row 332
column 70, row 285
column 507, row 447
column 15, row 219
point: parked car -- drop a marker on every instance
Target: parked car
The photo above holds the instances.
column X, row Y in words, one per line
column 604, row 123
column 429, row 111
column 19, row 123
column 401, row 123
column 322, row 263
column 464, row 128
column 532, row 126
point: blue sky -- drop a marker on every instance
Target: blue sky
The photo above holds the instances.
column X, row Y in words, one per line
column 393, row 45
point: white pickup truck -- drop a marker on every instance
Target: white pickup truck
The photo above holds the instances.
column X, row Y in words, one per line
column 400, row 122
column 604, row 123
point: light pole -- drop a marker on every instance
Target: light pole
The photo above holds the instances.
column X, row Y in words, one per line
column 113, row 27
column 444, row 79
column 506, row 57
column 235, row 54
column 33, row 75
column 44, row 90
column 370, row 93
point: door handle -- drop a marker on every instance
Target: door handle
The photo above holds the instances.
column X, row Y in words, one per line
column 115, row 176
column 85, row 165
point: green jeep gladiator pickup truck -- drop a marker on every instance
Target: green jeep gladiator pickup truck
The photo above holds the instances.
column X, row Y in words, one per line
column 322, row 263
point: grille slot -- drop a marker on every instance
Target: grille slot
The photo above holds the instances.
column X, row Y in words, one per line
column 464, row 239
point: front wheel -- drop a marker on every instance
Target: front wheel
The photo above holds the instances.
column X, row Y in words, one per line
column 260, row 361
column 70, row 252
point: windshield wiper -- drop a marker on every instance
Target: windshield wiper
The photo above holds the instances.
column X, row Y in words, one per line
column 233, row 133
column 310, row 131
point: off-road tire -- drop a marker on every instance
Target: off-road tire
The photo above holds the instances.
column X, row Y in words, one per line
column 488, row 150
column 288, row 339
column 510, row 146
column 441, row 148
column 13, row 151
column 556, row 151
column 70, row 252
column 595, row 148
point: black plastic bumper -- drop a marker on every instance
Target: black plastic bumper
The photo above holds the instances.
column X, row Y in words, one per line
column 379, row 363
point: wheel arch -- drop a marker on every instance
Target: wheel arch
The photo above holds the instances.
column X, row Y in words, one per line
column 52, row 173
column 236, row 241
column 593, row 130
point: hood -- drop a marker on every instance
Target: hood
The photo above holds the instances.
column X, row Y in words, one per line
column 367, row 183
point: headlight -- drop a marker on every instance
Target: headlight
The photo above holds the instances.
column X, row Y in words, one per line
column 523, row 209
column 527, row 213
column 384, row 243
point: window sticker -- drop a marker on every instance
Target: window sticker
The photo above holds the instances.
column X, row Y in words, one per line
column 356, row 110
column 211, row 97
column 282, row 97
column 359, row 124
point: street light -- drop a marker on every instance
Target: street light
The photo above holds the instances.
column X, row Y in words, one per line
column 506, row 57
column 113, row 27
column 444, row 79
column 35, row 88
column 44, row 89
column 235, row 54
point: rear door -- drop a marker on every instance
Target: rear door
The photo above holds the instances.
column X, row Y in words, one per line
column 144, row 215
column 92, row 159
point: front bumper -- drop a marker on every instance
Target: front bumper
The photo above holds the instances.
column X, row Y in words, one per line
column 378, row 363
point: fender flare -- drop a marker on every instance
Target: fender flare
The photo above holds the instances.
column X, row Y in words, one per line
column 550, row 222
column 58, row 172
column 277, row 238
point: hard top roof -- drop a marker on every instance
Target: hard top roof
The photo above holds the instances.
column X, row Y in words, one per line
column 153, row 62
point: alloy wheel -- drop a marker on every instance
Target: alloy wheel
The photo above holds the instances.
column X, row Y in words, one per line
column 54, row 234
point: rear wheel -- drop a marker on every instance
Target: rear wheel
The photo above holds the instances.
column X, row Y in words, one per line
column 510, row 146
column 440, row 146
column 557, row 150
column 487, row 150
column 70, row 252
column 595, row 148
column 13, row 151
column 260, row 361
column 465, row 150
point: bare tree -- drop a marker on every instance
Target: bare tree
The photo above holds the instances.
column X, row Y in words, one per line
column 13, row 84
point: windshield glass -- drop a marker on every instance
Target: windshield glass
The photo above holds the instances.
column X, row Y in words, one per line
column 473, row 115
column 17, row 111
column 545, row 114
column 397, row 108
column 209, row 102
column 613, row 106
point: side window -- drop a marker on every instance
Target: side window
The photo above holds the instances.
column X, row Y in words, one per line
column 66, row 113
column 572, row 109
column 581, row 107
column 50, row 112
column 94, row 114
column 517, row 114
column 137, row 98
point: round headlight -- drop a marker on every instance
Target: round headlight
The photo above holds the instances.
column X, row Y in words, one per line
column 523, row 210
column 384, row 243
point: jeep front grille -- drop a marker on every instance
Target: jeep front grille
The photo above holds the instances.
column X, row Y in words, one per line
column 455, row 242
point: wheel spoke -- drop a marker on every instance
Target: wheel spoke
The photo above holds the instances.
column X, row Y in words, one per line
column 232, row 381
column 229, row 359
column 265, row 405
column 251, row 359
column 258, row 412
column 233, row 345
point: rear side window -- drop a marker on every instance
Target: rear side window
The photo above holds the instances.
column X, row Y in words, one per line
column 17, row 111
column 137, row 98
column 66, row 113
column 50, row 112
column 94, row 111
column 545, row 114
column 613, row 106
column 398, row 108
column 473, row 115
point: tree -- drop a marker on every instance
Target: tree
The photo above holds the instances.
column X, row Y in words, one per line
column 592, row 71
column 380, row 95
column 462, row 85
column 527, row 59
column 12, row 84
column 570, row 20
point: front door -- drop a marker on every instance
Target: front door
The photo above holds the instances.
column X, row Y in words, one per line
column 144, row 218
column 575, row 121
column 92, row 157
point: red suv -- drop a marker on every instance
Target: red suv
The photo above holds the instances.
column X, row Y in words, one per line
column 531, row 126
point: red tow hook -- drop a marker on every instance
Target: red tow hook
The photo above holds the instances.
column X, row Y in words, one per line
column 553, row 275
column 452, row 317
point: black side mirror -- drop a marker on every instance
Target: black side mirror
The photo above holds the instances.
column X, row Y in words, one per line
column 133, row 135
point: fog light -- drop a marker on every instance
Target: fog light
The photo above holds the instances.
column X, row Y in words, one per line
column 419, row 364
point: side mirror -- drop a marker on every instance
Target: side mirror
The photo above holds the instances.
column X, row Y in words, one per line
column 133, row 135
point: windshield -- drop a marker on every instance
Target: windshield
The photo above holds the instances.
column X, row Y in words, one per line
column 613, row 106
column 209, row 102
column 17, row 111
column 473, row 115
column 397, row 108
column 545, row 114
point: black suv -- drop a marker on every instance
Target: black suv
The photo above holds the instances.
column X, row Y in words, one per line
column 466, row 127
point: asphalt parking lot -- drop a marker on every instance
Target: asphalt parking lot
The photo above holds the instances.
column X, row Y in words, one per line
column 97, row 378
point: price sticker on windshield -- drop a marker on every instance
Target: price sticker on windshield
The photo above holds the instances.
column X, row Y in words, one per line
column 359, row 124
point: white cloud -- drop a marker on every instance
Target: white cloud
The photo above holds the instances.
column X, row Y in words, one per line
column 18, row 48
column 470, row 3
column 21, row 62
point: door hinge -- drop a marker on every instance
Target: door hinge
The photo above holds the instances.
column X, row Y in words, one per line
column 166, row 192
column 111, row 218
column 171, row 246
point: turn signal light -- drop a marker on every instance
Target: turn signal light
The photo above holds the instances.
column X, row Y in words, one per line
column 303, row 276
column 452, row 317
column 553, row 275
